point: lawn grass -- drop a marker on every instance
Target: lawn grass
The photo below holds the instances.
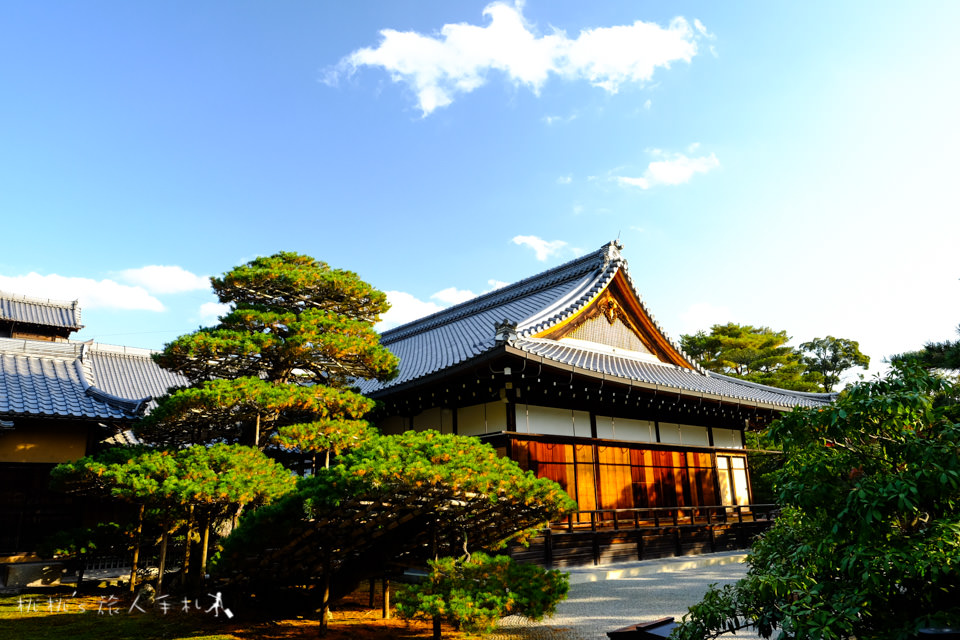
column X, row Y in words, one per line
column 55, row 614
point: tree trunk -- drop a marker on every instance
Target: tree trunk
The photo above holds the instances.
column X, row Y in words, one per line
column 163, row 559
column 136, row 551
column 81, row 569
column 256, row 433
column 325, row 599
column 185, row 572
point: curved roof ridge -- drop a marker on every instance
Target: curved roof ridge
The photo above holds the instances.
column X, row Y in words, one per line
column 132, row 406
column 564, row 308
column 41, row 348
column 119, row 350
column 790, row 392
column 613, row 262
column 544, row 279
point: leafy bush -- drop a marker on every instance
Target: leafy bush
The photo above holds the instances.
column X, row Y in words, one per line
column 474, row 593
column 868, row 545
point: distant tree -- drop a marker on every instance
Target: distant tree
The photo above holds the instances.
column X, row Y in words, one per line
column 394, row 501
column 935, row 355
column 278, row 367
column 868, row 542
column 830, row 357
column 756, row 354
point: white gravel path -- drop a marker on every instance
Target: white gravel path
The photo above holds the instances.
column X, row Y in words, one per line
column 605, row 598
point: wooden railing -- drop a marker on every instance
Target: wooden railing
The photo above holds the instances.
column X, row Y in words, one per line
column 655, row 517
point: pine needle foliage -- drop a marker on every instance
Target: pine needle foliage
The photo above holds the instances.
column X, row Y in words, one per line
column 394, row 501
column 474, row 592
column 278, row 366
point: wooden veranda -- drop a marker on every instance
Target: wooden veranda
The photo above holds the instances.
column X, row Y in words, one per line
column 619, row 535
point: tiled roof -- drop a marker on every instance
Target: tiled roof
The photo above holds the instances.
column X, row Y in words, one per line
column 79, row 380
column 40, row 311
column 465, row 331
column 666, row 375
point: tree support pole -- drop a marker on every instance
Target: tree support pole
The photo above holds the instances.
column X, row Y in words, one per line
column 136, row 551
column 386, row 598
column 204, row 547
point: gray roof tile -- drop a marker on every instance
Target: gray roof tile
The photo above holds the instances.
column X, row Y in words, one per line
column 61, row 379
column 460, row 333
column 40, row 311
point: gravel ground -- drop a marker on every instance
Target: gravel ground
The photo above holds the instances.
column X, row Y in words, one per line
column 605, row 598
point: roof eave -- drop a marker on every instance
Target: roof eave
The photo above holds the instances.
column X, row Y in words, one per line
column 646, row 386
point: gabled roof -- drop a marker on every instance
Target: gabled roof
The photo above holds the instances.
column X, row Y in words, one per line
column 78, row 380
column 40, row 311
column 544, row 308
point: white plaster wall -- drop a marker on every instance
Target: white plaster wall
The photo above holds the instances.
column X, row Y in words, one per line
column 479, row 419
column 626, row 429
column 670, row 433
column 728, row 438
column 551, row 421
column 436, row 418
column 694, row 435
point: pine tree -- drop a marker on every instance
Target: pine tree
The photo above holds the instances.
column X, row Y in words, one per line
column 278, row 367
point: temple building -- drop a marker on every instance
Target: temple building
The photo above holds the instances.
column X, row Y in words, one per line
column 568, row 373
column 59, row 400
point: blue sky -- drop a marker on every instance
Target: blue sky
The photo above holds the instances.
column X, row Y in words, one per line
column 789, row 165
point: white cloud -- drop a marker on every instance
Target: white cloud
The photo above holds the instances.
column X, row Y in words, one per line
column 543, row 248
column 701, row 316
column 210, row 312
column 459, row 60
column 564, row 179
column 404, row 308
column 452, row 295
column 675, row 169
column 165, row 279
column 648, row 104
column 92, row 294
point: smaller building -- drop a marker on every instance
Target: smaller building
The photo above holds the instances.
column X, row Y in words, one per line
column 59, row 400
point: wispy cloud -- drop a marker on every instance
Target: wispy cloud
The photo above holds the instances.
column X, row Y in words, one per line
column 165, row 279
column 210, row 312
column 542, row 248
column 92, row 294
column 459, row 60
column 564, row 179
column 552, row 120
column 673, row 169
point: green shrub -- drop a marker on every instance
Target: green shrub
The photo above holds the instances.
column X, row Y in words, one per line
column 474, row 593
